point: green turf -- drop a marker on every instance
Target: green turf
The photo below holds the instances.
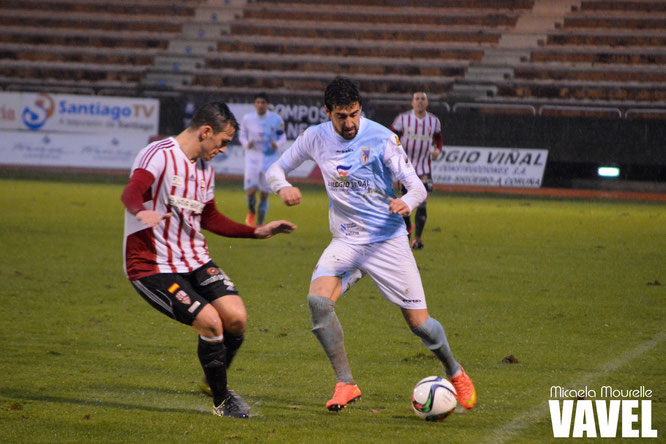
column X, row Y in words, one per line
column 570, row 288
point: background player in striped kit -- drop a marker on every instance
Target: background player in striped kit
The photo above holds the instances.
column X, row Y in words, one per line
column 261, row 134
column 169, row 199
column 419, row 131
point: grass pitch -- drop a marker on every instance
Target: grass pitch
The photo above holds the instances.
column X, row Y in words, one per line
column 574, row 290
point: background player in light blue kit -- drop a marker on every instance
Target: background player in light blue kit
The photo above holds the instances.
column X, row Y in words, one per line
column 261, row 134
column 359, row 160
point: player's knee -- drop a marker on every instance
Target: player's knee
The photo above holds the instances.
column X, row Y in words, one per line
column 208, row 322
column 320, row 309
column 236, row 325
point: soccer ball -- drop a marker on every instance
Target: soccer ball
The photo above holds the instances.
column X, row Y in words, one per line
column 434, row 398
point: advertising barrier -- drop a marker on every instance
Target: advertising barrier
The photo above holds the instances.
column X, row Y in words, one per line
column 500, row 167
column 67, row 130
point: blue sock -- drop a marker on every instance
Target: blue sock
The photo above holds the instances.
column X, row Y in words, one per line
column 261, row 212
column 433, row 337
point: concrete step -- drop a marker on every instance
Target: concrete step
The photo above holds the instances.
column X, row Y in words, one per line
column 217, row 14
column 192, row 47
column 178, row 63
column 516, row 40
column 471, row 91
column 206, row 31
column 162, row 79
column 488, row 73
column 505, row 56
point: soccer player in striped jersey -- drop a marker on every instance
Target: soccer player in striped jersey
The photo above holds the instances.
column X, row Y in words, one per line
column 261, row 134
column 168, row 200
column 421, row 135
column 359, row 160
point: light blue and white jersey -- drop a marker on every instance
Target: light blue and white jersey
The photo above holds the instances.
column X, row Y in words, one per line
column 261, row 130
column 358, row 176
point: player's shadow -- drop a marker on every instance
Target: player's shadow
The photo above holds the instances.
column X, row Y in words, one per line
column 27, row 396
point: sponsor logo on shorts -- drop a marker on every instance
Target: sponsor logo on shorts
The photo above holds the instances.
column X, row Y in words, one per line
column 183, row 297
column 213, row 271
column 174, row 288
column 194, row 306
column 411, row 301
column 219, row 277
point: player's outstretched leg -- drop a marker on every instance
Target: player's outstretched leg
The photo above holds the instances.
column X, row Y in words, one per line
column 433, row 337
column 326, row 327
column 212, row 355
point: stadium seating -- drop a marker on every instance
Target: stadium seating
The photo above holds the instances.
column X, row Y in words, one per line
column 604, row 53
column 597, row 53
column 85, row 44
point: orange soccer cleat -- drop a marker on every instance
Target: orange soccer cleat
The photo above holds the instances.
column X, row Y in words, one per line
column 344, row 394
column 250, row 219
column 465, row 389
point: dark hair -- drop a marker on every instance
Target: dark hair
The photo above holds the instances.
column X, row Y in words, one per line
column 262, row 95
column 216, row 114
column 341, row 92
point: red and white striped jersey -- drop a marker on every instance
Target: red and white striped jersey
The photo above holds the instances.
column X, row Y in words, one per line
column 182, row 188
column 417, row 137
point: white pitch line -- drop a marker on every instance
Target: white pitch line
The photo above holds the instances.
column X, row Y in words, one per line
column 541, row 410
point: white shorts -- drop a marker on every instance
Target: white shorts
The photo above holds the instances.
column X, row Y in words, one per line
column 390, row 264
column 254, row 174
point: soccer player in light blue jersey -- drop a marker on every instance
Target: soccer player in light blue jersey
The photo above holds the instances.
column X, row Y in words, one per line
column 261, row 134
column 359, row 160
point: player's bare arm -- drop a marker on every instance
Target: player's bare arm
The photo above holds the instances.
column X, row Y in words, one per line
column 290, row 196
column 274, row 227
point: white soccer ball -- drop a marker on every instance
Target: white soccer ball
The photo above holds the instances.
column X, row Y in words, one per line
column 434, row 398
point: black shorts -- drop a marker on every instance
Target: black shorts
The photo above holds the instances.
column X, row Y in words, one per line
column 427, row 183
column 181, row 296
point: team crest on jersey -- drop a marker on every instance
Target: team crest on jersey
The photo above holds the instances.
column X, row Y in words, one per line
column 343, row 171
column 365, row 154
column 183, row 297
column 202, row 189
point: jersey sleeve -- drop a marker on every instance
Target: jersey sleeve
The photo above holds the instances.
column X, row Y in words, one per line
column 396, row 159
column 437, row 138
column 150, row 159
column 280, row 132
column 298, row 152
column 243, row 134
column 133, row 194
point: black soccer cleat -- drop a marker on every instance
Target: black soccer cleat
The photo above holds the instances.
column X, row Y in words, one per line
column 233, row 406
